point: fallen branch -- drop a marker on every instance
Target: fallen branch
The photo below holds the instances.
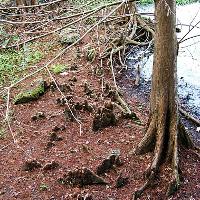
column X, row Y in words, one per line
column 80, row 19
column 18, row 23
column 144, row 25
column 46, row 67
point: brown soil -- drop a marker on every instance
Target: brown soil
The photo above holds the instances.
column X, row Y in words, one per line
column 75, row 151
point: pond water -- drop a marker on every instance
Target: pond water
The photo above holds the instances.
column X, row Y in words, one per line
column 188, row 63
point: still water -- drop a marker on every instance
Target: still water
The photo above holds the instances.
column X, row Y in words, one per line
column 188, row 63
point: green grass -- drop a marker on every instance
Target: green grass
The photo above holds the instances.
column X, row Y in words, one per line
column 13, row 63
column 179, row 2
column 58, row 68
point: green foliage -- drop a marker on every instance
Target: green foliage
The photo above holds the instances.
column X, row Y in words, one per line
column 90, row 54
column 44, row 187
column 146, row 2
column 34, row 57
column 58, row 68
column 13, row 63
column 182, row 2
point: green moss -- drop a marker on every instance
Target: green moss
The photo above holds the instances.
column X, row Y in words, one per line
column 14, row 64
column 90, row 54
column 44, row 187
column 2, row 133
column 32, row 94
column 68, row 36
column 34, row 57
column 58, row 68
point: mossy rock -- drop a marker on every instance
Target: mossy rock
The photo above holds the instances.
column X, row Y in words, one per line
column 68, row 36
column 31, row 94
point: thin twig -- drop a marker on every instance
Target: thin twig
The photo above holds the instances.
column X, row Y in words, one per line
column 32, row 6
column 59, row 29
column 182, row 39
column 46, row 67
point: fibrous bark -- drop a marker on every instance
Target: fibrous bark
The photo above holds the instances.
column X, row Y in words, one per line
column 164, row 130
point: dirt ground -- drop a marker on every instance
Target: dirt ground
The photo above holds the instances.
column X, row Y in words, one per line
column 71, row 149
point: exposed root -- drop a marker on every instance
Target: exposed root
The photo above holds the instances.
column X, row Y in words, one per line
column 122, row 103
column 184, row 137
column 175, row 183
column 157, row 131
column 148, row 140
column 144, row 25
column 147, row 184
column 189, row 116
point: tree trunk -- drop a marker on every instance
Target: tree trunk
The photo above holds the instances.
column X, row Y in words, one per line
column 163, row 126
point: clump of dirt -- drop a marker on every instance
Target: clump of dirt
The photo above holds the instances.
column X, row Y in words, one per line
column 59, row 128
column 74, row 67
column 82, row 177
column 104, row 117
column 121, row 181
column 83, row 106
column 84, row 197
column 38, row 116
column 63, row 101
column 54, row 137
column 31, row 165
column 50, row 145
column 87, row 88
column 50, row 166
column 65, row 88
column 73, row 79
column 108, row 164
column 69, row 114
